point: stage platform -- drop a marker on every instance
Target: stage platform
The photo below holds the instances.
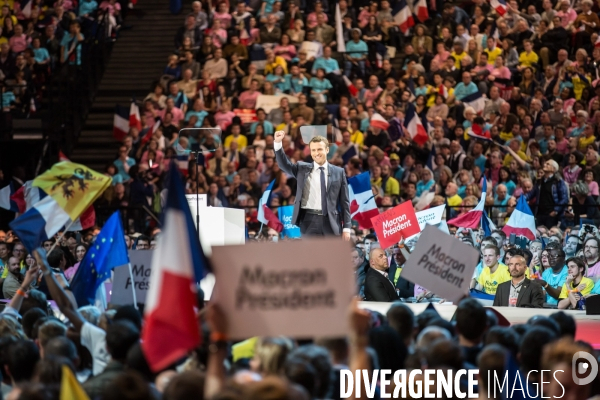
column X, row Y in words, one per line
column 588, row 326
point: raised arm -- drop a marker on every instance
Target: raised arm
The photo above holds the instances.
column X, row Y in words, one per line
column 59, row 295
column 282, row 159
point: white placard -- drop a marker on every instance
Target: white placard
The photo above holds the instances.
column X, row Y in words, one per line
column 311, row 49
column 268, row 102
column 141, row 267
column 299, row 289
column 431, row 216
column 442, row 264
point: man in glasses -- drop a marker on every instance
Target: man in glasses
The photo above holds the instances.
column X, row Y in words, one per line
column 554, row 277
column 591, row 258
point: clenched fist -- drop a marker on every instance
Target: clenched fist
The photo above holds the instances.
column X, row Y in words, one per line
column 279, row 135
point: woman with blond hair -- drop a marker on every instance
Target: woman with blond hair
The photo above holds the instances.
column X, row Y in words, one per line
column 270, row 355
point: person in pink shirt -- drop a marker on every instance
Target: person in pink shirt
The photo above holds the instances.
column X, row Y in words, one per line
column 224, row 117
column 365, row 15
column 175, row 112
column 19, row 41
column 442, row 54
column 114, row 11
column 285, row 49
column 566, row 14
column 217, row 34
column 248, row 97
column 222, row 14
column 311, row 19
column 157, row 158
column 499, row 71
column 590, row 179
column 373, row 92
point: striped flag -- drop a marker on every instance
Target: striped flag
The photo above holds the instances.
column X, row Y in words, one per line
column 134, row 116
column 499, row 6
column 521, row 221
column 362, row 201
column 264, row 201
column 377, row 121
column 147, row 133
column 403, row 16
column 414, row 126
column 472, row 218
column 421, row 10
column 120, row 123
column 341, row 44
column 476, row 101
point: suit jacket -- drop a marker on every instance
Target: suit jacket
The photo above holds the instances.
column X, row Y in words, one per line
column 378, row 287
column 338, row 201
column 530, row 296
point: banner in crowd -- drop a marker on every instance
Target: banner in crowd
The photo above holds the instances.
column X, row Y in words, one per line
column 396, row 223
column 246, row 116
column 310, row 48
column 269, row 289
column 285, row 216
column 141, row 262
column 441, row 263
column 268, row 102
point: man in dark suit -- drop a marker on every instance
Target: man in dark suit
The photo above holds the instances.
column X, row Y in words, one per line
column 378, row 287
column 322, row 204
column 519, row 291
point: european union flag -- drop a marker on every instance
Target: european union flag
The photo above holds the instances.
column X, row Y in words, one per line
column 107, row 252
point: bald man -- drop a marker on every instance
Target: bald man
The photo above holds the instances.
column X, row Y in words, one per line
column 378, row 287
column 519, row 291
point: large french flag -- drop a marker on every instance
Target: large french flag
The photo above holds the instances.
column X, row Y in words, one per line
column 472, row 218
column 476, row 101
column 521, row 221
column 421, row 10
column 171, row 329
column 40, row 223
column 120, row 122
column 377, row 121
column 414, row 126
column 362, row 202
column 499, row 6
column 403, row 16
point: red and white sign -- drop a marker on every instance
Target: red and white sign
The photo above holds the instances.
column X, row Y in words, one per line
column 246, row 115
column 391, row 226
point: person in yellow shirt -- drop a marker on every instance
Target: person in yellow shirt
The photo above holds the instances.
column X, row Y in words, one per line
column 587, row 138
column 527, row 58
column 459, row 53
column 381, row 178
column 514, row 145
column 452, row 197
column 237, row 137
column 273, row 62
column 576, row 285
column 356, row 136
column 494, row 273
column 492, row 50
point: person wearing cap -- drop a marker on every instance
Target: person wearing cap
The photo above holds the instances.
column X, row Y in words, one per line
column 324, row 206
column 356, row 53
column 553, row 196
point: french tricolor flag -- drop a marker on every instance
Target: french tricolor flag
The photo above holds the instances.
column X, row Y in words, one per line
column 120, row 122
column 264, row 201
column 351, row 88
column 499, row 6
column 134, row 116
column 40, row 223
column 362, row 202
column 443, row 90
column 521, row 221
column 403, row 16
column 414, row 126
column 171, row 328
column 476, row 101
column 421, row 10
column 377, row 121
column 147, row 133
column 472, row 219
column 12, row 199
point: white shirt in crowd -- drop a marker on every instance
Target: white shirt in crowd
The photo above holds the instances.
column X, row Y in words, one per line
column 94, row 339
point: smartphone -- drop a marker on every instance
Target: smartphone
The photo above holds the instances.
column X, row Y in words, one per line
column 512, row 239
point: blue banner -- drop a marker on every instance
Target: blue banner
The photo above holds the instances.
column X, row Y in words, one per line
column 285, row 216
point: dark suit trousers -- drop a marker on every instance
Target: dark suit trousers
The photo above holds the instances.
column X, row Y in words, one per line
column 314, row 225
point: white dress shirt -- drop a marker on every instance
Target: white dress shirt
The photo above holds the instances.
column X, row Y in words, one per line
column 311, row 196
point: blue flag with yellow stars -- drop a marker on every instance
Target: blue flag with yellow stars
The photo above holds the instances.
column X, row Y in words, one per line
column 107, row 252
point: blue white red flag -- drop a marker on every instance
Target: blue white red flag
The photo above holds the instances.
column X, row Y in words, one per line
column 362, row 201
column 521, row 221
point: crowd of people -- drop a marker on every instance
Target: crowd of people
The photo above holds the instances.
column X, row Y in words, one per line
column 37, row 38
column 536, row 135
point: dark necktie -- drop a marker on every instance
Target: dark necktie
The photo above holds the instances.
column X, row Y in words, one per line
column 218, row 170
column 323, row 192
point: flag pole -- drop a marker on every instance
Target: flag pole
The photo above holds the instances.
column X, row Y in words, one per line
column 132, row 286
column 61, row 236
